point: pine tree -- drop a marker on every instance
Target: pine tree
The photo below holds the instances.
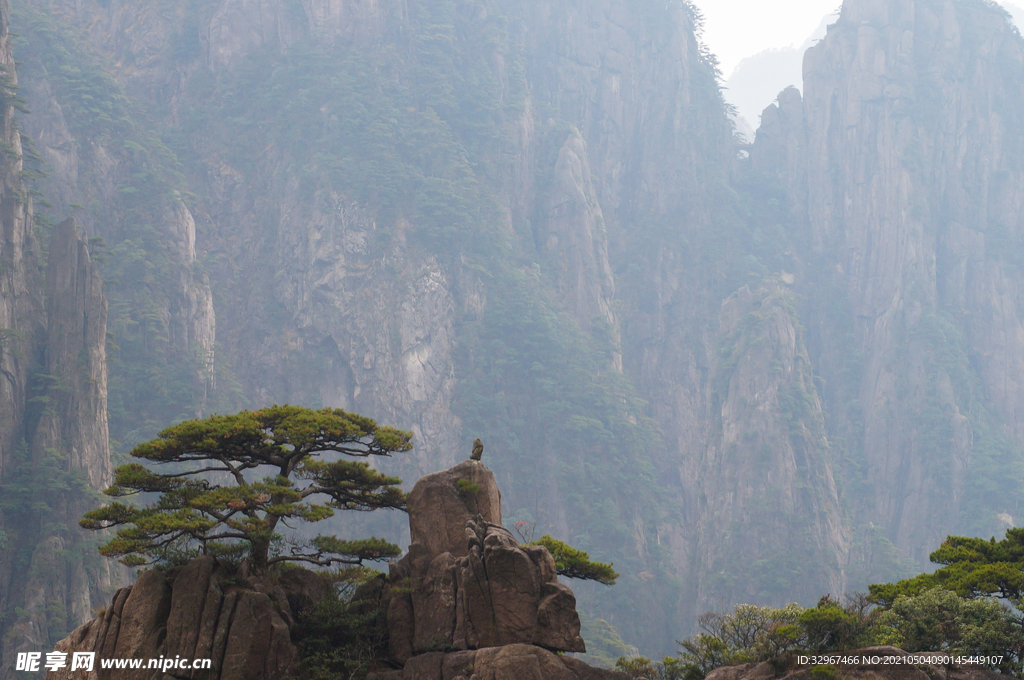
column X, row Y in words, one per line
column 219, row 495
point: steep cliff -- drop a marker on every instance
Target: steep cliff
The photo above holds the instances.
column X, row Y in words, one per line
column 103, row 162
column 757, row 379
column 773, row 510
column 901, row 163
column 52, row 577
column 53, row 396
column 22, row 312
column 433, row 246
column 467, row 219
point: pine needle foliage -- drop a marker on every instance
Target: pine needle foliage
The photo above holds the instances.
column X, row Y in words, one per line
column 972, row 567
column 219, row 500
column 573, row 563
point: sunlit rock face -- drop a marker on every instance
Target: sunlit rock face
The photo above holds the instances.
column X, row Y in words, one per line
column 201, row 610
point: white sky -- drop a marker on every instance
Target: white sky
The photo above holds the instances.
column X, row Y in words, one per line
column 735, row 29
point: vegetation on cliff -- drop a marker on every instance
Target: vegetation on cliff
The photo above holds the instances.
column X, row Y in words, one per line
column 573, row 563
column 130, row 194
column 345, row 633
column 437, row 131
column 936, row 620
column 959, row 609
column 194, row 513
column 972, row 567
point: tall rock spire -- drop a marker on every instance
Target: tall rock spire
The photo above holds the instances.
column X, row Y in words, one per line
column 53, row 580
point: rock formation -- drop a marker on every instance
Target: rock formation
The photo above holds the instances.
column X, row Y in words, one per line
column 498, row 602
column 769, row 420
column 53, row 404
column 98, row 172
column 441, row 504
column 54, row 590
column 241, row 625
column 475, row 587
column 476, row 590
column 873, row 398
column 899, row 162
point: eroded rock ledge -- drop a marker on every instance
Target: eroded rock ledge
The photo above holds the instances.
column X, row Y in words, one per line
column 203, row 610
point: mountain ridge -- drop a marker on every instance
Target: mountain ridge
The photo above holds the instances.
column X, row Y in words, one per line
column 741, row 379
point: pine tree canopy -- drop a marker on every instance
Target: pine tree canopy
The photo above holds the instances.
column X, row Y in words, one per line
column 972, row 567
column 574, row 563
column 234, row 479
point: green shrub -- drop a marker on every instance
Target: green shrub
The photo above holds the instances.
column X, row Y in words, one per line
column 825, row 672
column 343, row 637
column 941, row 621
column 467, row 489
column 573, row 563
column 830, row 627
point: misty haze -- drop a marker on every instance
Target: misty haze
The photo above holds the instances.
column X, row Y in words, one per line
column 605, row 341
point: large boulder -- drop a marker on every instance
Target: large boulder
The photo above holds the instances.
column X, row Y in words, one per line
column 441, row 503
column 499, row 593
column 198, row 612
column 466, row 583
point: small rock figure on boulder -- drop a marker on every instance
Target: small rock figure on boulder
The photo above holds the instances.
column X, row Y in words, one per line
column 478, row 449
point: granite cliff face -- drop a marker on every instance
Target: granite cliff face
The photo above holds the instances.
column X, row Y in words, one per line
column 330, row 292
column 769, row 456
column 900, row 163
column 22, row 307
column 49, row 578
column 122, row 185
column 53, row 397
column 754, row 379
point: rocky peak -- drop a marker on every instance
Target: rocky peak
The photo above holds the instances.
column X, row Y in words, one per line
column 76, row 356
column 442, row 503
column 478, row 605
column 497, row 610
column 482, row 589
column 49, row 589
